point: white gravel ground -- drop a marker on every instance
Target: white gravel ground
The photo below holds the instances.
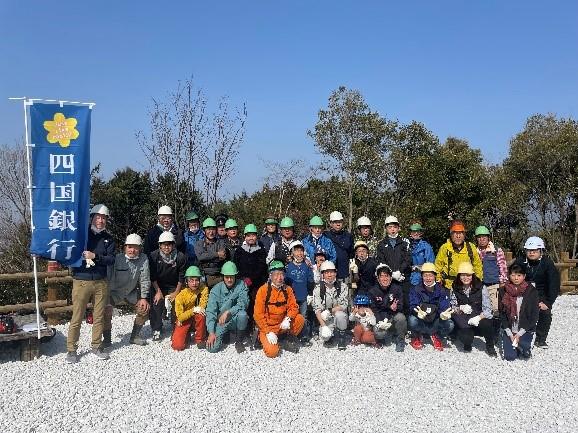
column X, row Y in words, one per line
column 361, row 389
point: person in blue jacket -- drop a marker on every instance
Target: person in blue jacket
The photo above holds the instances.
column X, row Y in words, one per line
column 316, row 241
column 343, row 243
column 430, row 310
column 421, row 252
column 192, row 235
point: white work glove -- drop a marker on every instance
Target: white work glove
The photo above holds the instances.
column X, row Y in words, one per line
column 271, row 338
column 199, row 310
column 466, row 308
column 309, row 299
column 325, row 315
column 446, row 315
column 325, row 332
column 515, row 344
column 474, row 321
column 89, row 263
column 420, row 313
column 286, row 323
column 396, row 275
column 168, row 306
column 384, row 325
column 353, row 266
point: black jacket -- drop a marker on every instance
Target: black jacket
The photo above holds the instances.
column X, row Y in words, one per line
column 397, row 258
column 343, row 242
column 366, row 276
column 102, row 245
column 529, row 311
column 544, row 275
column 381, row 300
column 167, row 276
column 151, row 241
column 252, row 265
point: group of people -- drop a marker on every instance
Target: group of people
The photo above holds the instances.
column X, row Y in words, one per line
column 209, row 286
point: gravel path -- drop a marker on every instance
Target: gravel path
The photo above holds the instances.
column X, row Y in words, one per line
column 361, row 389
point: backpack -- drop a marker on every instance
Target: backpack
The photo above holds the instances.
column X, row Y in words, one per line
column 7, row 325
column 323, row 289
column 450, row 259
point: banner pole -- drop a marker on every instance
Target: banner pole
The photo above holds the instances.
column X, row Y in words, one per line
column 34, row 264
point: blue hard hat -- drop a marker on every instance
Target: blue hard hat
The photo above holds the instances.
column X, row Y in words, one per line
column 361, row 300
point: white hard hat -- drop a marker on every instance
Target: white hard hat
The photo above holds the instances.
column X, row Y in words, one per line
column 295, row 244
column 391, row 220
column 133, row 239
column 165, row 210
column 326, row 265
column 99, row 209
column 166, row 237
column 534, row 243
column 363, row 221
column 335, row 216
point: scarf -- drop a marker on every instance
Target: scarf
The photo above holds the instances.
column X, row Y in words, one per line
column 95, row 230
column 169, row 259
column 131, row 265
column 511, row 293
column 250, row 248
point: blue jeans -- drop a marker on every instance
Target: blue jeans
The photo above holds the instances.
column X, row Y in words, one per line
column 440, row 327
column 524, row 345
column 237, row 323
column 306, row 331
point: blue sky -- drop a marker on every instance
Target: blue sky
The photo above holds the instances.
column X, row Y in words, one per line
column 474, row 70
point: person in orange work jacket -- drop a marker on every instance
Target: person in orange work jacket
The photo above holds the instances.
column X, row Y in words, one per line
column 277, row 312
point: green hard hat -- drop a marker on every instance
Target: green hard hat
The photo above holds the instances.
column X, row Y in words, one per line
column 416, row 227
column 482, row 231
column 229, row 268
column 276, row 265
column 231, row 223
column 250, row 228
column 316, row 221
column 209, row 222
column 287, row 223
column 191, row 215
column 271, row 220
column 193, row 271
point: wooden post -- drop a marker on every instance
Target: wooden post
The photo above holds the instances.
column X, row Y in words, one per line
column 509, row 256
column 564, row 271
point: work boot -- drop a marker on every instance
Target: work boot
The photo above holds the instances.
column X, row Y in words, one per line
column 239, row 340
column 490, row 350
column 541, row 343
column 201, row 345
column 135, row 336
column 341, row 340
column 291, row 343
column 106, row 338
column 400, row 344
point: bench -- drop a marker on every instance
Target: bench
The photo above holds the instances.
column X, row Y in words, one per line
column 28, row 341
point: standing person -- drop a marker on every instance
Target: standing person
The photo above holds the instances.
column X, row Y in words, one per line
column 280, row 249
column 393, row 250
column 211, row 253
column 90, row 280
column 130, row 284
column 316, row 241
column 431, row 313
column 190, row 306
column 519, row 312
column 343, row 243
column 165, row 223
column 541, row 271
column 456, row 250
column 271, row 235
column 277, row 313
column 472, row 309
column 232, row 240
column 421, row 252
column 363, row 268
column 167, row 266
column 494, row 270
column 299, row 276
column 387, row 306
column 250, row 260
column 365, row 234
column 220, row 221
column 330, row 303
column 191, row 236
column 227, row 310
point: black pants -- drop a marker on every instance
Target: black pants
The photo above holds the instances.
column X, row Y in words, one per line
column 158, row 311
column 543, row 325
column 406, row 286
column 484, row 329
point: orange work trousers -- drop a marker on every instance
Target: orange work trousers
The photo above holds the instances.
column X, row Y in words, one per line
column 272, row 350
column 181, row 332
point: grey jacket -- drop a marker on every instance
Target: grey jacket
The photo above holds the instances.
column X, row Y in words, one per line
column 207, row 256
column 129, row 279
column 331, row 299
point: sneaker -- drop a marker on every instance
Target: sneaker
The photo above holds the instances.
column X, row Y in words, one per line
column 525, row 354
column 71, row 358
column 541, row 344
column 400, row 344
column 157, row 336
column 239, row 347
column 491, row 351
column 437, row 342
column 99, row 354
column 416, row 343
column 291, row 344
column 467, row 347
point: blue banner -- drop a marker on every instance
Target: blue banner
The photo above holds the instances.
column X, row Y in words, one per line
column 60, row 139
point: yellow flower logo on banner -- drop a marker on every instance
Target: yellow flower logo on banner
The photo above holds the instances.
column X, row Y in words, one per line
column 61, row 130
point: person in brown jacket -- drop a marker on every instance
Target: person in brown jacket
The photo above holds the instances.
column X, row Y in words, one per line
column 277, row 312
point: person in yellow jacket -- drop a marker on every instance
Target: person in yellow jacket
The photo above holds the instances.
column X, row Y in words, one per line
column 277, row 312
column 190, row 305
column 456, row 250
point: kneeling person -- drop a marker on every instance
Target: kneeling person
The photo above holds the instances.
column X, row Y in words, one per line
column 190, row 306
column 227, row 309
column 364, row 320
column 277, row 312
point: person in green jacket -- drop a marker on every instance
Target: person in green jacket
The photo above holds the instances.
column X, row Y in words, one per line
column 227, row 310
